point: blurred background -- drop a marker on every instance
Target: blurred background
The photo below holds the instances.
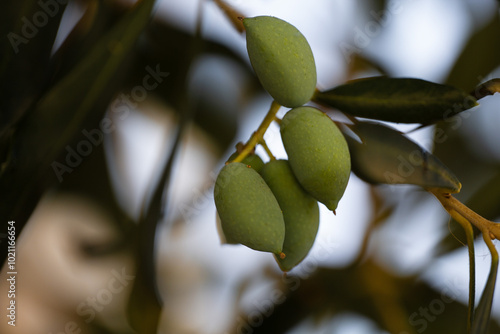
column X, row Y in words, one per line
column 96, row 248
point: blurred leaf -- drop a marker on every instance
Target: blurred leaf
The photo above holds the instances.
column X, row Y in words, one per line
column 28, row 31
column 92, row 180
column 387, row 156
column 61, row 112
column 361, row 63
column 485, row 200
column 380, row 213
column 170, row 48
column 482, row 317
column 98, row 19
column 480, row 56
column 379, row 7
column 145, row 303
column 144, row 306
column 399, row 100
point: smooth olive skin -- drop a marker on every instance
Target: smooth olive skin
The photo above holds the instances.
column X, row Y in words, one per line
column 300, row 211
column 318, row 154
column 249, row 212
column 282, row 60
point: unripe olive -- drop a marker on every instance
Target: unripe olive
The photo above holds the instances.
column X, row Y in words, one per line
column 282, row 59
column 252, row 160
column 300, row 211
column 318, row 154
column 249, row 212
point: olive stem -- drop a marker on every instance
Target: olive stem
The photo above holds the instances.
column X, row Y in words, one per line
column 258, row 136
column 232, row 14
column 486, row 89
column 454, row 207
column 266, row 148
column 491, row 247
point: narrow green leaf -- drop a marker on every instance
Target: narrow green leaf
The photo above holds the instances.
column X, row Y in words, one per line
column 385, row 155
column 400, row 100
column 481, row 321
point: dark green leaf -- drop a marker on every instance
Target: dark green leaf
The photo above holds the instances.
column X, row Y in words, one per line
column 387, row 156
column 400, row 100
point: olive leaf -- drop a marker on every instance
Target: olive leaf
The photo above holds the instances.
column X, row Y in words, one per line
column 400, row 100
column 385, row 155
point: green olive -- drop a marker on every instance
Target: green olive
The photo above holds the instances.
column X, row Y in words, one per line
column 249, row 212
column 300, row 211
column 318, row 154
column 282, row 60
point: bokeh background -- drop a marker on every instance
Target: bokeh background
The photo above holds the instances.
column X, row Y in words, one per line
column 390, row 261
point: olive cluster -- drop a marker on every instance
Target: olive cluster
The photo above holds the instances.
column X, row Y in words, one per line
column 273, row 207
